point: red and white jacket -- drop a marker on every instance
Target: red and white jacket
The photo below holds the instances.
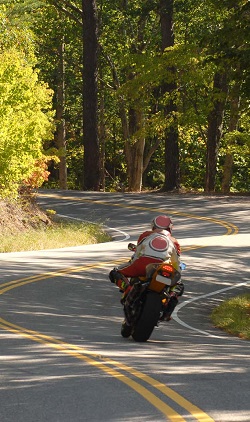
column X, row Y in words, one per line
column 158, row 244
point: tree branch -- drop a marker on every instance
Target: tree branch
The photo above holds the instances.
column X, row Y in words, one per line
column 71, row 12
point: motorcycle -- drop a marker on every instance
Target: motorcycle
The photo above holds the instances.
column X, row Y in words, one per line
column 145, row 303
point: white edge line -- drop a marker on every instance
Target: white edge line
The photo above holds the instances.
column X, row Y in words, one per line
column 126, row 236
column 187, row 302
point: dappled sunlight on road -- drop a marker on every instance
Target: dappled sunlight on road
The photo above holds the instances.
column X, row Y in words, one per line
column 61, row 316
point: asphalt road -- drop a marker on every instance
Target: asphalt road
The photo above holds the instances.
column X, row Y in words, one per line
column 62, row 358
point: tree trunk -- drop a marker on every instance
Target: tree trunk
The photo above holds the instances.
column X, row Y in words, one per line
column 172, row 165
column 132, row 121
column 227, row 173
column 102, row 137
column 215, row 123
column 233, row 123
column 134, row 144
column 134, row 149
column 60, row 137
column 91, row 179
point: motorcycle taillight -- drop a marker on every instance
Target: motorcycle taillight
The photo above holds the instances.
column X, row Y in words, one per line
column 166, row 274
column 166, row 270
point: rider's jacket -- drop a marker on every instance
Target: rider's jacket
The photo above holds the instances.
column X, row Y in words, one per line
column 164, row 232
column 159, row 245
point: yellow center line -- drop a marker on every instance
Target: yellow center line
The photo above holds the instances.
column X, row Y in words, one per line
column 231, row 228
column 69, row 349
column 194, row 410
column 4, row 287
column 82, row 354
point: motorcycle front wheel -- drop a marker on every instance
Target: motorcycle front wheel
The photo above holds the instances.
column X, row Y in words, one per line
column 148, row 318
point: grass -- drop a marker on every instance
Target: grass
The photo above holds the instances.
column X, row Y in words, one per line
column 57, row 235
column 233, row 316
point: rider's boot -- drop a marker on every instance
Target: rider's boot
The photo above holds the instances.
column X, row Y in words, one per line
column 119, row 279
column 168, row 310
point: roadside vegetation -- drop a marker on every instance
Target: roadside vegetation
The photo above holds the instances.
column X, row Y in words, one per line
column 57, row 235
column 25, row 227
column 233, row 316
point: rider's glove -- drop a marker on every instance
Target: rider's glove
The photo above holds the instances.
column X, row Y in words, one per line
column 132, row 247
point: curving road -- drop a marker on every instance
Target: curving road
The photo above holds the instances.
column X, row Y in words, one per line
column 62, row 358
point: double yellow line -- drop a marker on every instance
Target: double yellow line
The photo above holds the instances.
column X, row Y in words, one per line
column 231, row 228
column 109, row 366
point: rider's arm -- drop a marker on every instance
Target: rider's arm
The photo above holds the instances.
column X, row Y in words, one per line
column 143, row 236
column 176, row 244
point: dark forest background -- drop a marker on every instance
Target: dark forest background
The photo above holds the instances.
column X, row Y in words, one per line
column 125, row 95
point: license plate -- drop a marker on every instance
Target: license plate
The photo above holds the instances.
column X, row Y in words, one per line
column 163, row 279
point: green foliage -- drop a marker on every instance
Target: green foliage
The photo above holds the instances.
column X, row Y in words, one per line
column 25, row 121
column 241, row 173
column 51, row 28
column 209, row 36
column 15, row 34
column 192, row 159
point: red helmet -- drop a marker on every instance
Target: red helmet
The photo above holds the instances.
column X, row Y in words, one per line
column 162, row 222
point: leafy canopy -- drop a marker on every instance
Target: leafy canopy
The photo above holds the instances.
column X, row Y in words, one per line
column 25, row 122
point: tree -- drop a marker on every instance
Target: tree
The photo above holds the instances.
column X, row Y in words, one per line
column 158, row 95
column 133, row 61
column 85, row 15
column 214, row 132
column 172, row 169
column 233, row 126
column 60, row 134
column 25, row 121
column 25, row 108
column 215, row 36
column 225, row 48
column 90, row 99
column 121, row 62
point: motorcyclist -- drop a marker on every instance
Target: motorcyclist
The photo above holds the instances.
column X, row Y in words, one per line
column 153, row 246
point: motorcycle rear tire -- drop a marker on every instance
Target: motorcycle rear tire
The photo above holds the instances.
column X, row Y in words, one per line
column 126, row 330
column 148, row 318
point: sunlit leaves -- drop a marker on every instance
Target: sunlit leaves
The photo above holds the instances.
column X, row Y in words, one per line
column 209, row 35
column 25, row 122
